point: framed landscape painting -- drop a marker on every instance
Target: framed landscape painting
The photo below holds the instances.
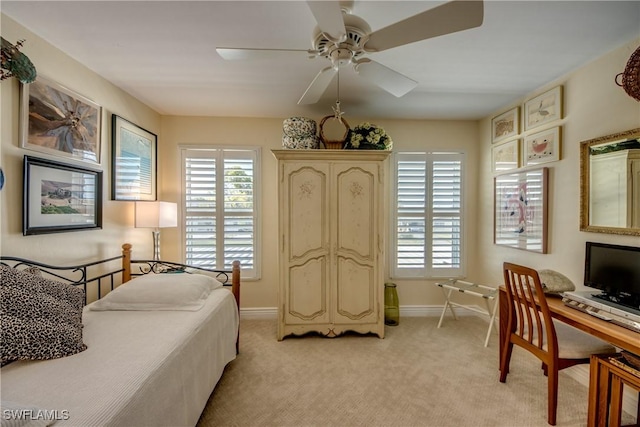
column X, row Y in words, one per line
column 520, row 210
column 59, row 197
column 58, row 121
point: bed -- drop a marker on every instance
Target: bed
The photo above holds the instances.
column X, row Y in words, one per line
column 143, row 365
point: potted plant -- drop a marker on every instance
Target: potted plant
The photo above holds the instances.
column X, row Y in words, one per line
column 368, row 136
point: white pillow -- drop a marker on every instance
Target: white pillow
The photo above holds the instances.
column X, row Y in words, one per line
column 185, row 292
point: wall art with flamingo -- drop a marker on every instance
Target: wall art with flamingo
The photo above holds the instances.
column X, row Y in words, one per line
column 520, row 219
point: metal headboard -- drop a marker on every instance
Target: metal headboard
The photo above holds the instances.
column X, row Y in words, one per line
column 77, row 275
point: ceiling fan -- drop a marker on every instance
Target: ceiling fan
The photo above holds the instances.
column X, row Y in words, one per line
column 345, row 39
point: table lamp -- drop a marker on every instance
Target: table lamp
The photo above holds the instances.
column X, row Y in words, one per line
column 156, row 215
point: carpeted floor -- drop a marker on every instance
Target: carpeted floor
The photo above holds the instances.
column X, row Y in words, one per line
column 418, row 375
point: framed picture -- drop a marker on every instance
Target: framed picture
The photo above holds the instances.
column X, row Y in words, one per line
column 521, row 210
column 133, row 158
column 505, row 156
column 55, row 120
column 542, row 147
column 59, row 197
column 543, row 108
column 505, row 125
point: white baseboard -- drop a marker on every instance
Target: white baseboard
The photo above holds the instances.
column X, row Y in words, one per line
column 259, row 313
column 405, row 310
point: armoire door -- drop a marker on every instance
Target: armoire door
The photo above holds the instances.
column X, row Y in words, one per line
column 305, row 217
column 355, row 234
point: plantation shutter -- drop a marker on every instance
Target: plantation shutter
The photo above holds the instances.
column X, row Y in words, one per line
column 428, row 215
column 219, row 208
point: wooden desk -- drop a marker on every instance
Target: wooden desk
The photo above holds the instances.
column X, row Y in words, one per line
column 616, row 335
column 606, row 382
column 601, row 393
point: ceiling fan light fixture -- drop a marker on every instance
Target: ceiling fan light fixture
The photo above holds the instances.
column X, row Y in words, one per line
column 345, row 39
column 341, row 57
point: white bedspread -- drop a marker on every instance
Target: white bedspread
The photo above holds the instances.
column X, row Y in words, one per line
column 141, row 368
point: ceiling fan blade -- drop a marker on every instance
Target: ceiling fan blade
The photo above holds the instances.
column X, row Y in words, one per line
column 318, row 86
column 456, row 15
column 390, row 80
column 231, row 53
column 329, row 18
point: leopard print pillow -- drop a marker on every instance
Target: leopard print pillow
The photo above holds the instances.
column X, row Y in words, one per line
column 41, row 318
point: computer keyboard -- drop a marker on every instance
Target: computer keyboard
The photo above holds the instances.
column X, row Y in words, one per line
column 600, row 314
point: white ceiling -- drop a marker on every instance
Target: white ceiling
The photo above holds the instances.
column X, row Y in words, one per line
column 163, row 53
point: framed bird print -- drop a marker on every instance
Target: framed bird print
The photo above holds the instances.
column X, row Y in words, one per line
column 542, row 147
column 543, row 109
column 58, row 121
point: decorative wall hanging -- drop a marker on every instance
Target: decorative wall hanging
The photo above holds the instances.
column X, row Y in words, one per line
column 505, row 156
column 58, row 121
column 14, row 63
column 520, row 210
column 59, row 197
column 629, row 80
column 505, row 125
column 544, row 108
column 133, row 161
column 542, row 147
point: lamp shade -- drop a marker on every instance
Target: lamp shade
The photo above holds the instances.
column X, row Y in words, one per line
column 156, row 214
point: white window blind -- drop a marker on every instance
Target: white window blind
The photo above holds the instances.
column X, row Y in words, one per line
column 427, row 218
column 220, row 208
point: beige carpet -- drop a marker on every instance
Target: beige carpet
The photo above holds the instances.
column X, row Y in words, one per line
column 417, row 376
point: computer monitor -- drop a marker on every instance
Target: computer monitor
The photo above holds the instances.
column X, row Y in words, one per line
column 615, row 270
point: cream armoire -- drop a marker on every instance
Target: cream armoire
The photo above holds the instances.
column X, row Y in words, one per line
column 331, row 241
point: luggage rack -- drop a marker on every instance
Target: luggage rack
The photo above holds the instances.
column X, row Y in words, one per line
column 487, row 293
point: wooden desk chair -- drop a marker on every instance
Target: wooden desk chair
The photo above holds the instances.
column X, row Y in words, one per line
column 530, row 326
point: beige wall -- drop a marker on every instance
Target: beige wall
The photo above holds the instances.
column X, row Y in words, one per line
column 594, row 106
column 267, row 134
column 117, row 227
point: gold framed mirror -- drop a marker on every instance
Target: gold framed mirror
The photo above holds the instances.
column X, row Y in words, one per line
column 610, row 184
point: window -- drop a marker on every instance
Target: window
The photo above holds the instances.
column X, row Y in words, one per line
column 220, row 208
column 427, row 215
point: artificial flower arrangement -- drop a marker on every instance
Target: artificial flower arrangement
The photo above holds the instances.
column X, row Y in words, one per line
column 367, row 136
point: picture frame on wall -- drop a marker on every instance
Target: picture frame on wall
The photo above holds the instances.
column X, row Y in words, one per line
column 133, row 161
column 520, row 210
column 506, row 125
column 59, row 197
column 505, row 156
column 543, row 109
column 542, row 147
column 58, row 121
